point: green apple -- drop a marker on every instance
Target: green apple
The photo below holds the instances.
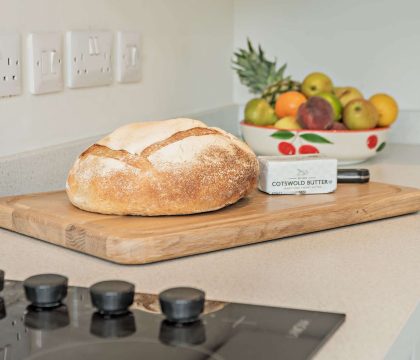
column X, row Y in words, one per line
column 287, row 123
column 335, row 104
column 259, row 112
column 360, row 114
column 316, row 83
column 347, row 94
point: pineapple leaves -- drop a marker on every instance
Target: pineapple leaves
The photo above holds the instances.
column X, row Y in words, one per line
column 254, row 70
column 280, row 72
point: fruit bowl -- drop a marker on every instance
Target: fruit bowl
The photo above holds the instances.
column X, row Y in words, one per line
column 347, row 146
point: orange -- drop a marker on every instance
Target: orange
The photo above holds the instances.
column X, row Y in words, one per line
column 287, row 104
column 387, row 108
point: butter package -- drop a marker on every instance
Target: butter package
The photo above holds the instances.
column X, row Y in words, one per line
column 306, row 174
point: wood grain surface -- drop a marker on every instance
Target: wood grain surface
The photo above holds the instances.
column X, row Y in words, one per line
column 260, row 217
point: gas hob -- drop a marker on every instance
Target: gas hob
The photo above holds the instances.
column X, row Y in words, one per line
column 43, row 318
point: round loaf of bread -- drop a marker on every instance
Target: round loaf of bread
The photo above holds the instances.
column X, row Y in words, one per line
column 170, row 167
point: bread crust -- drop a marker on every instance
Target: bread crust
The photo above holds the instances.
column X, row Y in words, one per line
column 191, row 171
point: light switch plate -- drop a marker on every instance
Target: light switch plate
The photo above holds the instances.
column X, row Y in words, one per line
column 128, row 57
column 45, row 57
column 88, row 58
column 10, row 64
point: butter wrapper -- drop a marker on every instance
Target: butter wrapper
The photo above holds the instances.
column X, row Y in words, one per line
column 307, row 174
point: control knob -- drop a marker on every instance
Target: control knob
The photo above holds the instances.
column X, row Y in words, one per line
column 45, row 290
column 1, row 280
column 182, row 305
column 112, row 297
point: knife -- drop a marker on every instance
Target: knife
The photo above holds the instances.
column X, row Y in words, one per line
column 353, row 176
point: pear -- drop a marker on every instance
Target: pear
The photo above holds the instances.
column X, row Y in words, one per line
column 287, row 123
column 316, row 83
column 347, row 94
column 259, row 112
column 360, row 114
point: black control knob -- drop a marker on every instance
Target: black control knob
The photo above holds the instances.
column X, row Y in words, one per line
column 112, row 297
column 45, row 290
column 182, row 304
column 2, row 309
column 1, row 280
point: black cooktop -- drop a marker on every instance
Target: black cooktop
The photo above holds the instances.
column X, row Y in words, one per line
column 60, row 323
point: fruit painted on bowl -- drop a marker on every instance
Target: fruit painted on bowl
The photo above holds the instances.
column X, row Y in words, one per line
column 335, row 104
column 286, row 148
column 288, row 123
column 259, row 112
column 347, row 94
column 308, row 149
column 315, row 114
column 387, row 108
column 287, row 104
column 316, row 83
column 348, row 146
column 360, row 114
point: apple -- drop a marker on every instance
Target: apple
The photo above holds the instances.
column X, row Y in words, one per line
column 287, row 123
column 347, row 94
column 259, row 112
column 316, row 83
column 360, row 114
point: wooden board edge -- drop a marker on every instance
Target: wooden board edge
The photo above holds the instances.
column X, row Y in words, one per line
column 146, row 252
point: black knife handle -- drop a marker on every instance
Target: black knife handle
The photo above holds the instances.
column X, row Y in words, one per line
column 353, row 176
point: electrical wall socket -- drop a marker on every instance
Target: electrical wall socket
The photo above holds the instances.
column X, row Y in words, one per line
column 128, row 57
column 88, row 58
column 10, row 64
column 45, row 62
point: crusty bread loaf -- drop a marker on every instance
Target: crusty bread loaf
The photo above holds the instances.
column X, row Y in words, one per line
column 170, row 167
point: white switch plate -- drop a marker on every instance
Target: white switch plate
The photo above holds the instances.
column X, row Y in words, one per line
column 10, row 64
column 128, row 57
column 88, row 58
column 45, row 62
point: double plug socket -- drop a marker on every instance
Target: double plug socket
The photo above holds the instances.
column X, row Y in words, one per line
column 89, row 58
column 10, row 64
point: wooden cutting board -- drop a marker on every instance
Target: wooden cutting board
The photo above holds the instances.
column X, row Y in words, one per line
column 260, row 217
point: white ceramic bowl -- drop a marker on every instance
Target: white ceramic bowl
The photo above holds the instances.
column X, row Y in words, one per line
column 348, row 146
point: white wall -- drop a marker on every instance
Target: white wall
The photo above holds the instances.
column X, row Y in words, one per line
column 186, row 47
column 373, row 45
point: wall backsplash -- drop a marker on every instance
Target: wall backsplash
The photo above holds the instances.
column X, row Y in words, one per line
column 185, row 67
column 187, row 47
column 372, row 45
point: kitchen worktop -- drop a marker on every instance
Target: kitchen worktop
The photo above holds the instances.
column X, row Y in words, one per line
column 370, row 271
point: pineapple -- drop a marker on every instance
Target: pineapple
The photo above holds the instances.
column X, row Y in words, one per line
column 271, row 92
column 261, row 75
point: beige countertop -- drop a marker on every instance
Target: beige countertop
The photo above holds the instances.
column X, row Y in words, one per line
column 370, row 271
